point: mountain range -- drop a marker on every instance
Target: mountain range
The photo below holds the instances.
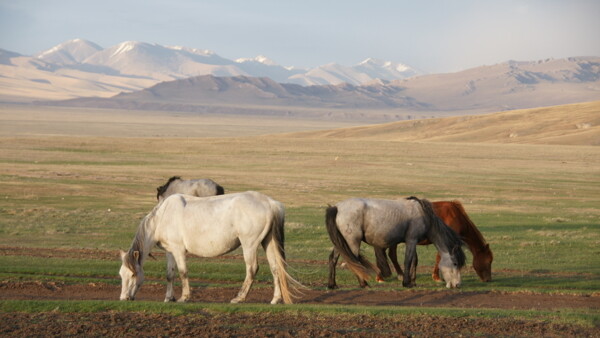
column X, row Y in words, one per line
column 136, row 75
column 505, row 86
column 134, row 65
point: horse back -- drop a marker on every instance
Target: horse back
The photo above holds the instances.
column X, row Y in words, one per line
column 212, row 226
column 452, row 213
column 378, row 222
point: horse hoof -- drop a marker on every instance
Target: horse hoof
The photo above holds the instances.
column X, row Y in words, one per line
column 183, row 300
column 332, row 287
column 235, row 301
column 169, row 299
column 380, row 280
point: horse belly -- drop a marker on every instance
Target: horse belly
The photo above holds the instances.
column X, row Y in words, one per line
column 384, row 240
column 212, row 245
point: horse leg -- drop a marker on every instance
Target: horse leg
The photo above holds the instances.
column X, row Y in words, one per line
column 179, row 258
column 436, row 269
column 333, row 259
column 382, row 264
column 393, row 253
column 171, row 266
column 251, row 270
column 409, row 264
column 413, row 270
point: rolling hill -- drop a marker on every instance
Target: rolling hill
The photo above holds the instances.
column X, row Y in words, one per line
column 574, row 124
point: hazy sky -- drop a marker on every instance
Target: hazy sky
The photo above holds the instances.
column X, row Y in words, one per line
column 434, row 36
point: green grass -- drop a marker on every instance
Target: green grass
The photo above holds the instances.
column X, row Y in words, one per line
column 537, row 206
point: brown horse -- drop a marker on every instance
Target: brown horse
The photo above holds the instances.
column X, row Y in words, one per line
column 455, row 216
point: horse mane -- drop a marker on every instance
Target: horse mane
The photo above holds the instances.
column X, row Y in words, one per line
column 163, row 188
column 465, row 219
column 450, row 238
column 138, row 246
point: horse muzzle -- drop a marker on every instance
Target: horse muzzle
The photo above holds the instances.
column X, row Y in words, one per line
column 452, row 286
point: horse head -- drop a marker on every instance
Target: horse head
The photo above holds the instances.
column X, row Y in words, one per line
column 132, row 275
column 482, row 263
column 450, row 265
column 163, row 188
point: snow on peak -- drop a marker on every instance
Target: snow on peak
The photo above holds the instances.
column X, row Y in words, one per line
column 203, row 52
column 386, row 69
column 125, row 47
column 259, row 59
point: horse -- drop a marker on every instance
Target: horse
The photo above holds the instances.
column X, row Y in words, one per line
column 201, row 188
column 210, row 227
column 385, row 223
column 454, row 215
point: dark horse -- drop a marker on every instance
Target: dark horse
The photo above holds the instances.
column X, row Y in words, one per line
column 455, row 216
column 385, row 223
column 200, row 187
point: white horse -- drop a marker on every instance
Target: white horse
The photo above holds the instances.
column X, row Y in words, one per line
column 210, row 227
column 200, row 187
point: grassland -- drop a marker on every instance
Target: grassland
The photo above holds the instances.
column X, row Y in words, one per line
column 573, row 124
column 537, row 205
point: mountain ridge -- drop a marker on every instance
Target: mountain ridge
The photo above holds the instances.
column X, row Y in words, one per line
column 484, row 89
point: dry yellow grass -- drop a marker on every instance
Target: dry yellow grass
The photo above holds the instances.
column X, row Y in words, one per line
column 575, row 124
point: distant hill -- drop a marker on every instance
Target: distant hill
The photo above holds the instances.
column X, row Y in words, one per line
column 575, row 124
column 509, row 85
column 506, row 86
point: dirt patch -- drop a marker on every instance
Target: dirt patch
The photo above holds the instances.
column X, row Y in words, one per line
column 118, row 324
column 207, row 323
column 37, row 290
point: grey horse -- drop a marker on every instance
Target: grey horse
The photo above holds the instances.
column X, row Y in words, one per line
column 384, row 223
column 200, row 187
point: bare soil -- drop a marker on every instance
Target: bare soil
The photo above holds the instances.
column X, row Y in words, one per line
column 211, row 323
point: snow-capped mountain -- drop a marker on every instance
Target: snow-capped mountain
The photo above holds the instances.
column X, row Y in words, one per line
column 141, row 59
column 386, row 70
column 70, row 52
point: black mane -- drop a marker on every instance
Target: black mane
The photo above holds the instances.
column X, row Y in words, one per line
column 162, row 189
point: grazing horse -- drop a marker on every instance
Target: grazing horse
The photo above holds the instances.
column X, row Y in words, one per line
column 385, row 223
column 455, row 216
column 210, row 227
column 200, row 188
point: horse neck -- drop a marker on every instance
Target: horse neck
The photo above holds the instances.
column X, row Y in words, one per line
column 144, row 238
column 437, row 239
column 470, row 233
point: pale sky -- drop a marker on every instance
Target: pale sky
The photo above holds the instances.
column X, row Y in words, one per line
column 434, row 36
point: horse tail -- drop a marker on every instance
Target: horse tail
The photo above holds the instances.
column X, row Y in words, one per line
column 357, row 264
column 287, row 284
column 440, row 233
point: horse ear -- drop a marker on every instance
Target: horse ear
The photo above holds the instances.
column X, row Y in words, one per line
column 136, row 255
column 122, row 253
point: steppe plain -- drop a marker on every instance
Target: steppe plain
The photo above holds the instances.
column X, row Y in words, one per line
column 76, row 182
